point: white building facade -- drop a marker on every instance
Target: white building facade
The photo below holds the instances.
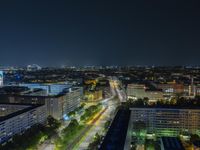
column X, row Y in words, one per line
column 22, row 118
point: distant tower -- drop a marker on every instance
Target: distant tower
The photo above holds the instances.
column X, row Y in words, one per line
column 192, row 80
column 1, row 78
column 192, row 87
column 33, row 67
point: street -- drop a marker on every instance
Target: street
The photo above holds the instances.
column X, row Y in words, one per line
column 96, row 125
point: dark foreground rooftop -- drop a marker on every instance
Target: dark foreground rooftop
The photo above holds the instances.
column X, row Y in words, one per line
column 116, row 136
column 30, row 107
column 171, row 143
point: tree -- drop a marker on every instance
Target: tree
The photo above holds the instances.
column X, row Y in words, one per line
column 97, row 137
column 139, row 128
column 107, row 124
column 90, row 111
column 173, row 101
column 160, row 103
column 145, row 100
column 74, row 122
column 53, row 123
column 138, row 102
column 94, row 145
column 139, row 125
column 71, row 113
column 82, row 105
column 194, row 137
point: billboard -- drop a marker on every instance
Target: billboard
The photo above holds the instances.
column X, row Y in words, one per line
column 1, row 78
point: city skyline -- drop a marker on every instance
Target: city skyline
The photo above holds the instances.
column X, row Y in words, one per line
column 87, row 107
column 99, row 75
column 52, row 33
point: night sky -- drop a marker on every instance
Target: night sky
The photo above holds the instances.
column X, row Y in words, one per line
column 97, row 32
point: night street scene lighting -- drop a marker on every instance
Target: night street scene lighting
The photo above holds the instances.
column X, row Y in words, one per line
column 99, row 75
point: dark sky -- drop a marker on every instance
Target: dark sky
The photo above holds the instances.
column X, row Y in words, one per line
column 97, row 32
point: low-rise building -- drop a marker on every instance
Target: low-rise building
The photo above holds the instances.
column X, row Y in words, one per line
column 94, row 95
column 197, row 90
column 172, row 88
column 136, row 91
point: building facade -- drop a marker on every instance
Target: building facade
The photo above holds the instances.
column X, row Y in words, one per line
column 136, row 91
column 168, row 121
column 15, row 119
column 57, row 105
column 60, row 105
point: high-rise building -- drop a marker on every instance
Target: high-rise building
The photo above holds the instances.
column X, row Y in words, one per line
column 1, row 78
column 33, row 67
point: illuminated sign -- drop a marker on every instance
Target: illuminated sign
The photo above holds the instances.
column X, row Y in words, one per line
column 65, row 117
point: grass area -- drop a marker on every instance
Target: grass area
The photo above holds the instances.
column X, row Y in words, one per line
column 95, row 143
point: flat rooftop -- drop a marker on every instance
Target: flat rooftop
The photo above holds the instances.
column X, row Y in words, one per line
column 171, row 143
column 166, row 107
column 6, row 109
column 9, row 110
column 13, row 89
column 116, row 135
column 37, row 92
